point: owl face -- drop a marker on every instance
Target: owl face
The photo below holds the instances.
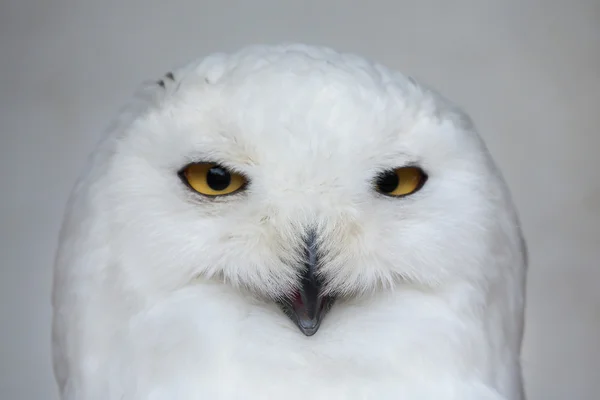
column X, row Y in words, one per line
column 299, row 178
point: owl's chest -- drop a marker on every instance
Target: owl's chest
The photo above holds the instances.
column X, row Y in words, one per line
column 257, row 353
column 252, row 371
column 291, row 376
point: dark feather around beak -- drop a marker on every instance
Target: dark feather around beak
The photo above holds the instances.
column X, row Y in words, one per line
column 307, row 306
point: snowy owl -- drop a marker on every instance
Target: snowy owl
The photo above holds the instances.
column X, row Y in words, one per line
column 289, row 222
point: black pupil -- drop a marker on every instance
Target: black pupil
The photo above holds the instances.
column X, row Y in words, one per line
column 218, row 178
column 388, row 182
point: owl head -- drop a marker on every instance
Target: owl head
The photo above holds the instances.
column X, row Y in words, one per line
column 299, row 176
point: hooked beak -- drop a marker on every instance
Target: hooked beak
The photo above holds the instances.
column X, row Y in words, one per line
column 307, row 306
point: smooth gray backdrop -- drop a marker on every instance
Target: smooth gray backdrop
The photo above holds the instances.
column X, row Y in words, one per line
column 527, row 71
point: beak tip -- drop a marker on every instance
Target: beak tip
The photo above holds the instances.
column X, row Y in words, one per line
column 309, row 327
column 309, row 332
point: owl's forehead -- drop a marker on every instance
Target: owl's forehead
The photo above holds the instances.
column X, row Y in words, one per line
column 275, row 107
column 297, row 106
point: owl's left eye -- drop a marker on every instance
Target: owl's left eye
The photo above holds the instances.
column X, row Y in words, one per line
column 211, row 179
column 401, row 182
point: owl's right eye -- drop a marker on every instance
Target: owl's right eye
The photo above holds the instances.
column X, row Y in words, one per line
column 211, row 179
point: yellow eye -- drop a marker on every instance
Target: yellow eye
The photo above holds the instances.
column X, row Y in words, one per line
column 211, row 179
column 401, row 181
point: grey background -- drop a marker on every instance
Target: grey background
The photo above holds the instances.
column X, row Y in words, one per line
column 527, row 71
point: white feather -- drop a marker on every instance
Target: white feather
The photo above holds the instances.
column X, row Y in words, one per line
column 160, row 294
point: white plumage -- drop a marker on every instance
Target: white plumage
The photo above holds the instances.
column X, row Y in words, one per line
column 164, row 293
